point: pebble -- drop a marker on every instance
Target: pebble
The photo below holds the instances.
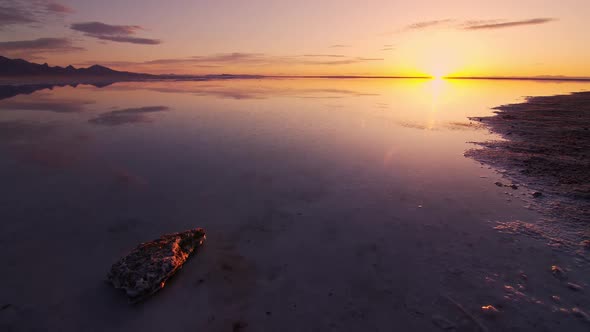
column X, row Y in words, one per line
column 490, row 310
column 537, row 194
column 442, row 322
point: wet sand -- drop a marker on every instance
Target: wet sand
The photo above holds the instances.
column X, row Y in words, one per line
column 546, row 147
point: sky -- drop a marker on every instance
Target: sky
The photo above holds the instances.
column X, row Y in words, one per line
column 276, row 37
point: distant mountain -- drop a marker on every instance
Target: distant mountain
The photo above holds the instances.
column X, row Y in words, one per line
column 23, row 68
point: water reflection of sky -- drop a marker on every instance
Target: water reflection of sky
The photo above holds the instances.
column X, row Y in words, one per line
column 314, row 176
column 415, row 122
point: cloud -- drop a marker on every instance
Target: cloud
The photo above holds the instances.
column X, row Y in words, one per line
column 17, row 12
column 325, row 55
column 10, row 16
column 58, row 8
column 28, row 48
column 132, row 40
column 237, row 59
column 98, row 28
column 428, row 24
column 483, row 25
column 340, row 46
column 477, row 24
column 128, row 115
column 116, row 33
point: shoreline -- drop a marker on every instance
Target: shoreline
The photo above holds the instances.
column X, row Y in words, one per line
column 544, row 146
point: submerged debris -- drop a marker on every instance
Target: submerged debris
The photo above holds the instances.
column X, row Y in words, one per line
column 147, row 268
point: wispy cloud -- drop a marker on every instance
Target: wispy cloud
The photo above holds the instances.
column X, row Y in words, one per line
column 477, row 24
column 116, row 33
column 127, row 39
column 128, row 115
column 340, row 46
column 31, row 12
column 486, row 25
column 243, row 60
column 33, row 47
column 428, row 24
column 58, row 8
column 99, row 28
column 325, row 55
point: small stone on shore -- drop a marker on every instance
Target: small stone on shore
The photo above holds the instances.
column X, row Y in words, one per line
column 490, row 311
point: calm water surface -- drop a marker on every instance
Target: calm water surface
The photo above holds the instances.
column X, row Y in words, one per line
column 89, row 172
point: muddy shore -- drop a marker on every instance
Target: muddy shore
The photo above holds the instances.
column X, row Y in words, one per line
column 546, row 147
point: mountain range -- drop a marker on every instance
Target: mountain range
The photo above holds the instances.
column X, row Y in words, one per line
column 23, row 68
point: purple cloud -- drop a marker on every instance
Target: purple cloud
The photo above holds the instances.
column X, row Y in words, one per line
column 39, row 45
column 99, row 28
column 16, row 12
column 58, row 8
column 116, row 33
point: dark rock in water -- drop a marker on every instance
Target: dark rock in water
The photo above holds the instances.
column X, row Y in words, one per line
column 147, row 268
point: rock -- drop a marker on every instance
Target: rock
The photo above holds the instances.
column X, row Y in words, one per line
column 490, row 311
column 513, row 186
column 537, row 194
column 558, row 272
column 574, row 287
column 146, row 269
column 442, row 322
column 556, row 298
column 499, row 184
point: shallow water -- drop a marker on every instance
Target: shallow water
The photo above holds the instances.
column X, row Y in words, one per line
column 89, row 172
